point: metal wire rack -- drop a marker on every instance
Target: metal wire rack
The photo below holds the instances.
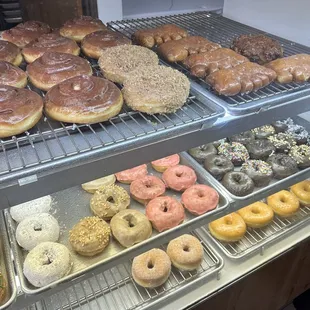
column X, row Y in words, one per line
column 221, row 30
column 116, row 289
column 256, row 239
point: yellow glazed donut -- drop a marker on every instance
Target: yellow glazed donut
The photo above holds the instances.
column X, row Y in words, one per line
column 257, row 214
column 283, row 203
column 302, row 191
column 230, row 228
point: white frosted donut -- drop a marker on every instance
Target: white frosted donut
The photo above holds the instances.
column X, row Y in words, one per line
column 37, row 229
column 94, row 185
column 46, row 263
column 29, row 208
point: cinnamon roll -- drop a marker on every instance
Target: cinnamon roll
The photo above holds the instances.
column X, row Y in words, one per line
column 77, row 28
column 20, row 109
column 49, row 42
column 94, row 43
column 53, row 68
column 10, row 52
column 83, row 99
column 11, row 75
column 26, row 32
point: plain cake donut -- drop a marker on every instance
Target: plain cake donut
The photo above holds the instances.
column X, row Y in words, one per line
column 11, row 75
column 151, row 269
column 10, row 52
column 94, row 185
column 302, row 191
column 46, row 263
column 129, row 175
column 163, row 164
column 185, row 252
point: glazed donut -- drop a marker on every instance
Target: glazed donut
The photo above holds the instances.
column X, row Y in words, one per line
column 299, row 133
column 147, row 188
column 130, row 227
column 164, row 213
column 302, row 191
column 243, row 137
column 282, row 165
column 283, row 203
column 36, row 229
column 10, row 52
column 185, row 252
column 109, row 200
column 238, row 183
column 11, row 75
column 260, row 149
column 151, row 269
column 218, row 166
column 264, row 132
column 235, row 152
column 129, row 175
column 163, row 164
column 94, row 185
column 200, row 153
column 257, row 214
column 179, row 177
column 199, row 199
column 279, row 126
column 259, row 171
column 30, row 208
column 283, row 142
column 47, row 263
column 90, row 236
column 301, row 155
column 230, row 228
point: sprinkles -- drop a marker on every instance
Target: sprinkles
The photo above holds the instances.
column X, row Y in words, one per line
column 282, row 141
column 258, row 166
column 301, row 153
column 234, row 151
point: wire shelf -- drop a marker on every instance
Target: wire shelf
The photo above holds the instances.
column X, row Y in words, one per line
column 256, row 239
column 116, row 289
column 221, row 30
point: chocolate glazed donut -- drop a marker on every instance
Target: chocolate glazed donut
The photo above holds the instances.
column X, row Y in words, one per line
column 83, row 99
column 218, row 165
column 201, row 152
column 260, row 149
column 11, row 75
column 282, row 165
column 238, row 183
column 10, row 52
column 243, row 137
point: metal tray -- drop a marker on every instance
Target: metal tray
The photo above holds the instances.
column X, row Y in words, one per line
column 274, row 185
column 73, row 204
column 6, row 265
column 223, row 30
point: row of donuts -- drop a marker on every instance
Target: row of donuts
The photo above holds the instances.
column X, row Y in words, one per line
column 285, row 204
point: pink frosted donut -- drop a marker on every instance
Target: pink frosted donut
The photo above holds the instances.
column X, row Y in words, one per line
column 165, row 212
column 129, row 175
column 162, row 164
column 147, row 188
column 179, row 177
column 199, row 199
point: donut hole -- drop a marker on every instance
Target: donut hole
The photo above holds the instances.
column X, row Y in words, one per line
column 179, row 174
column 186, row 248
column 283, row 199
column 37, row 227
column 148, row 185
column 110, row 199
column 255, row 211
column 200, row 194
column 150, row 265
column 131, row 221
column 237, row 178
column 218, row 163
column 228, row 221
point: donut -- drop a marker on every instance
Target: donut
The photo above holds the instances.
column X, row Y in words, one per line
column 219, row 142
column 47, row 263
column 94, row 185
column 279, row 126
column 185, row 252
column 200, row 198
column 129, row 175
column 283, row 142
column 147, row 188
column 36, row 229
column 10, row 52
column 238, row 183
column 162, row 164
column 30, row 208
column 259, row 171
column 230, row 228
column 164, row 213
column 235, row 152
column 260, row 149
column 109, row 200
column 264, row 132
column 151, row 269
column 130, row 227
column 283, row 203
column 179, row 177
column 257, row 214
column 200, row 153
column 90, row 236
column 243, row 137
column 301, row 154
column 11, row 75
column 218, row 166
column 299, row 133
column 302, row 191
column 282, row 165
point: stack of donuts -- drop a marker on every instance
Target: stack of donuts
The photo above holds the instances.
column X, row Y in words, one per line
column 255, row 157
column 284, row 204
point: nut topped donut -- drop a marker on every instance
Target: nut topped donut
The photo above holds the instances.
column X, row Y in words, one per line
column 53, row 68
column 11, row 75
column 283, row 142
column 129, row 175
column 301, row 154
column 163, row 164
column 83, row 99
column 235, row 152
column 264, row 132
column 10, row 52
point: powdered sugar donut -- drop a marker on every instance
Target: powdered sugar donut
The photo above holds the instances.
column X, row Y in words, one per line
column 162, row 164
column 129, row 175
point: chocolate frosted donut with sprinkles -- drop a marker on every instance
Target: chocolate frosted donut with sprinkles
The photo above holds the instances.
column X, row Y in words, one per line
column 264, row 132
column 283, row 142
column 235, row 151
column 301, row 154
column 243, row 137
column 259, row 171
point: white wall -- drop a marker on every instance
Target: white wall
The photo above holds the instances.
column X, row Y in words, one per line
column 109, row 10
